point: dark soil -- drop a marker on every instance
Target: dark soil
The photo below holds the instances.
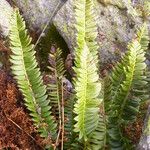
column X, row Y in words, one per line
column 16, row 128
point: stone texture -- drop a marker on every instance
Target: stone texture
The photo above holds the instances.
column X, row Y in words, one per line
column 5, row 14
column 37, row 12
column 116, row 27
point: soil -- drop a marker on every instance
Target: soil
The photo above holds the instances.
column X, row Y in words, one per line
column 16, row 128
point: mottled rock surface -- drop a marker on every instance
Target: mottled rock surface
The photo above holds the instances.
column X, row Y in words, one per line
column 116, row 27
column 5, row 14
column 37, row 12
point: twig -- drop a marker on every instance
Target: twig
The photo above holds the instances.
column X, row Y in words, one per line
column 48, row 22
column 63, row 118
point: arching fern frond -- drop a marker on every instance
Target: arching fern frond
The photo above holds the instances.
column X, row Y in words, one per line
column 28, row 76
column 127, row 81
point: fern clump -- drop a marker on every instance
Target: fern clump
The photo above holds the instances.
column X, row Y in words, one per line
column 28, row 76
column 92, row 118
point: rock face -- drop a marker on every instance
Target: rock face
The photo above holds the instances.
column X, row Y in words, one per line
column 144, row 143
column 37, row 12
column 5, row 14
column 115, row 27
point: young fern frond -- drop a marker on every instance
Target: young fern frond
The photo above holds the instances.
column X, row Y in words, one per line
column 91, row 31
column 143, row 36
column 57, row 73
column 28, row 76
column 128, row 79
column 55, row 89
column 87, row 85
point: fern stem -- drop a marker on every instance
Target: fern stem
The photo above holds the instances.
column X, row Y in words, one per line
column 63, row 117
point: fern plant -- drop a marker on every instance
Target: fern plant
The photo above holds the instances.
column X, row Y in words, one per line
column 94, row 117
column 126, row 83
column 86, row 84
column 29, row 79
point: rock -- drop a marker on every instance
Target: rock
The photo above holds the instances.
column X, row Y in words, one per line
column 37, row 12
column 5, row 14
column 144, row 143
column 115, row 28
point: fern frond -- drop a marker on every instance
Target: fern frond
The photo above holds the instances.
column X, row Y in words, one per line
column 28, row 76
column 72, row 142
column 128, row 79
column 91, row 31
column 97, row 141
column 57, row 73
column 143, row 36
column 87, row 85
column 87, row 88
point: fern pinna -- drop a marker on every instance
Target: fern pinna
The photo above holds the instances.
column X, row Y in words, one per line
column 127, row 89
column 28, row 76
column 87, row 85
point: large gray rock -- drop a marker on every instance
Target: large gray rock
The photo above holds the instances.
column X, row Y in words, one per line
column 116, row 27
column 37, row 12
column 5, row 14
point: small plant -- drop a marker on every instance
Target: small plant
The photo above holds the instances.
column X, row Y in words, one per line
column 94, row 116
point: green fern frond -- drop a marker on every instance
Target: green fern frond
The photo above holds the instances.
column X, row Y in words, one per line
column 143, row 36
column 87, row 88
column 128, row 79
column 87, row 85
column 55, row 90
column 91, row 31
column 28, row 76
column 97, row 141
column 72, row 142
column 57, row 73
